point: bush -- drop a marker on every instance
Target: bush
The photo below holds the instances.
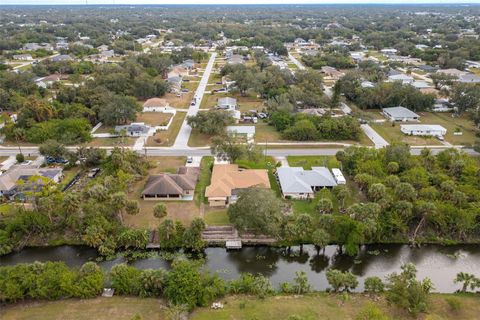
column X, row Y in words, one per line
column 371, row 312
column 20, row 157
column 251, row 284
column 374, row 285
column 454, row 303
column 126, row 279
column 339, row 280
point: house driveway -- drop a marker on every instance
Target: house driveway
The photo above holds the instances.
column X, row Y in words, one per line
column 374, row 136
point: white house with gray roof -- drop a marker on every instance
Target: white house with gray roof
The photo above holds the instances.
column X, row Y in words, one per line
column 298, row 183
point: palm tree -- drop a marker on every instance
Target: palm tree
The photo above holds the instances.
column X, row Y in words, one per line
column 466, row 278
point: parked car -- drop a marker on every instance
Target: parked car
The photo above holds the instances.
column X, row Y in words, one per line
column 93, row 173
column 52, row 160
column 262, row 115
column 184, row 90
column 189, row 159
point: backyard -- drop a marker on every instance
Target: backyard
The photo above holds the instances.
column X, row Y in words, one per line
column 154, row 118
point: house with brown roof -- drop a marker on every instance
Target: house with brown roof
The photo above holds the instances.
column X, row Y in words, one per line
column 172, row 186
column 228, row 179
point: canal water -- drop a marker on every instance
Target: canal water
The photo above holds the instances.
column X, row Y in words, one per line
column 439, row 263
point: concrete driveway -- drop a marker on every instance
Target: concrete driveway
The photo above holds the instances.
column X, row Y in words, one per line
column 374, row 136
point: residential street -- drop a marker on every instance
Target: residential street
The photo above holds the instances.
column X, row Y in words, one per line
column 185, row 130
column 299, row 65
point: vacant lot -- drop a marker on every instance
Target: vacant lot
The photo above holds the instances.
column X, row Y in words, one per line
column 111, row 142
column 312, row 306
column 154, row 118
column 182, row 102
column 307, row 162
column 118, row 308
column 167, row 138
column 324, row 306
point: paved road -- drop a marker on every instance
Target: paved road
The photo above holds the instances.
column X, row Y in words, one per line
column 295, row 61
column 159, row 151
column 185, row 130
column 374, row 136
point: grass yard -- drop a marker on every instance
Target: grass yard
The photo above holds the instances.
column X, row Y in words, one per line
column 265, row 132
column 167, row 138
column 216, row 217
column 393, row 134
column 111, row 142
column 307, row 162
column 311, row 306
column 198, row 139
column 203, row 180
column 329, row 306
column 118, row 308
column 154, row 118
column 184, row 211
column 462, row 123
column 190, row 86
column 182, row 102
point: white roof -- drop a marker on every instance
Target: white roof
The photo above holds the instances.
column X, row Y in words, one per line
column 241, row 129
column 227, row 101
column 298, row 180
column 400, row 112
column 422, row 127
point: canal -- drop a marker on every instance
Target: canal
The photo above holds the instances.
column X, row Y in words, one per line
column 439, row 263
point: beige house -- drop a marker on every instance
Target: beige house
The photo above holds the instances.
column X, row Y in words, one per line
column 228, row 179
column 169, row 186
column 156, row 105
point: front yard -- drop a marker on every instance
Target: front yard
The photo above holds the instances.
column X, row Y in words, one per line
column 167, row 138
column 154, row 118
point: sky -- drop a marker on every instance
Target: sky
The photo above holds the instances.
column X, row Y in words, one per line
column 76, row 2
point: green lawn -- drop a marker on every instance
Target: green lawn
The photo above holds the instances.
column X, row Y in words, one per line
column 204, row 180
column 393, row 134
column 217, row 217
column 307, row 162
column 118, row 308
column 329, row 306
column 167, row 138
column 462, row 124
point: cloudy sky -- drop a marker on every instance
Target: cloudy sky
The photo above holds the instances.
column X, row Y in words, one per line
column 11, row 2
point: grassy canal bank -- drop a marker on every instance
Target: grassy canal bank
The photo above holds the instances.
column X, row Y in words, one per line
column 309, row 307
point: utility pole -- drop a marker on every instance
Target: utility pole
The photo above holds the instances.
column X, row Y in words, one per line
column 266, row 150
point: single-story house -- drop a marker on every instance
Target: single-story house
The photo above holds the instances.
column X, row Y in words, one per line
column 434, row 130
column 332, row 73
column 62, row 57
column 156, row 105
column 452, row 72
column 177, row 71
column 400, row 114
column 227, row 103
column 135, row 129
column 469, row 78
column 165, row 186
column 442, row 105
column 228, row 180
column 298, row 183
column 175, row 83
column 247, row 132
column 22, row 57
column 235, row 59
column 102, row 48
column 188, row 64
column 389, row 51
column 19, row 178
column 403, row 78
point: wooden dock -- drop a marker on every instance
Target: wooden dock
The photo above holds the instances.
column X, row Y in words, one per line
column 233, row 244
